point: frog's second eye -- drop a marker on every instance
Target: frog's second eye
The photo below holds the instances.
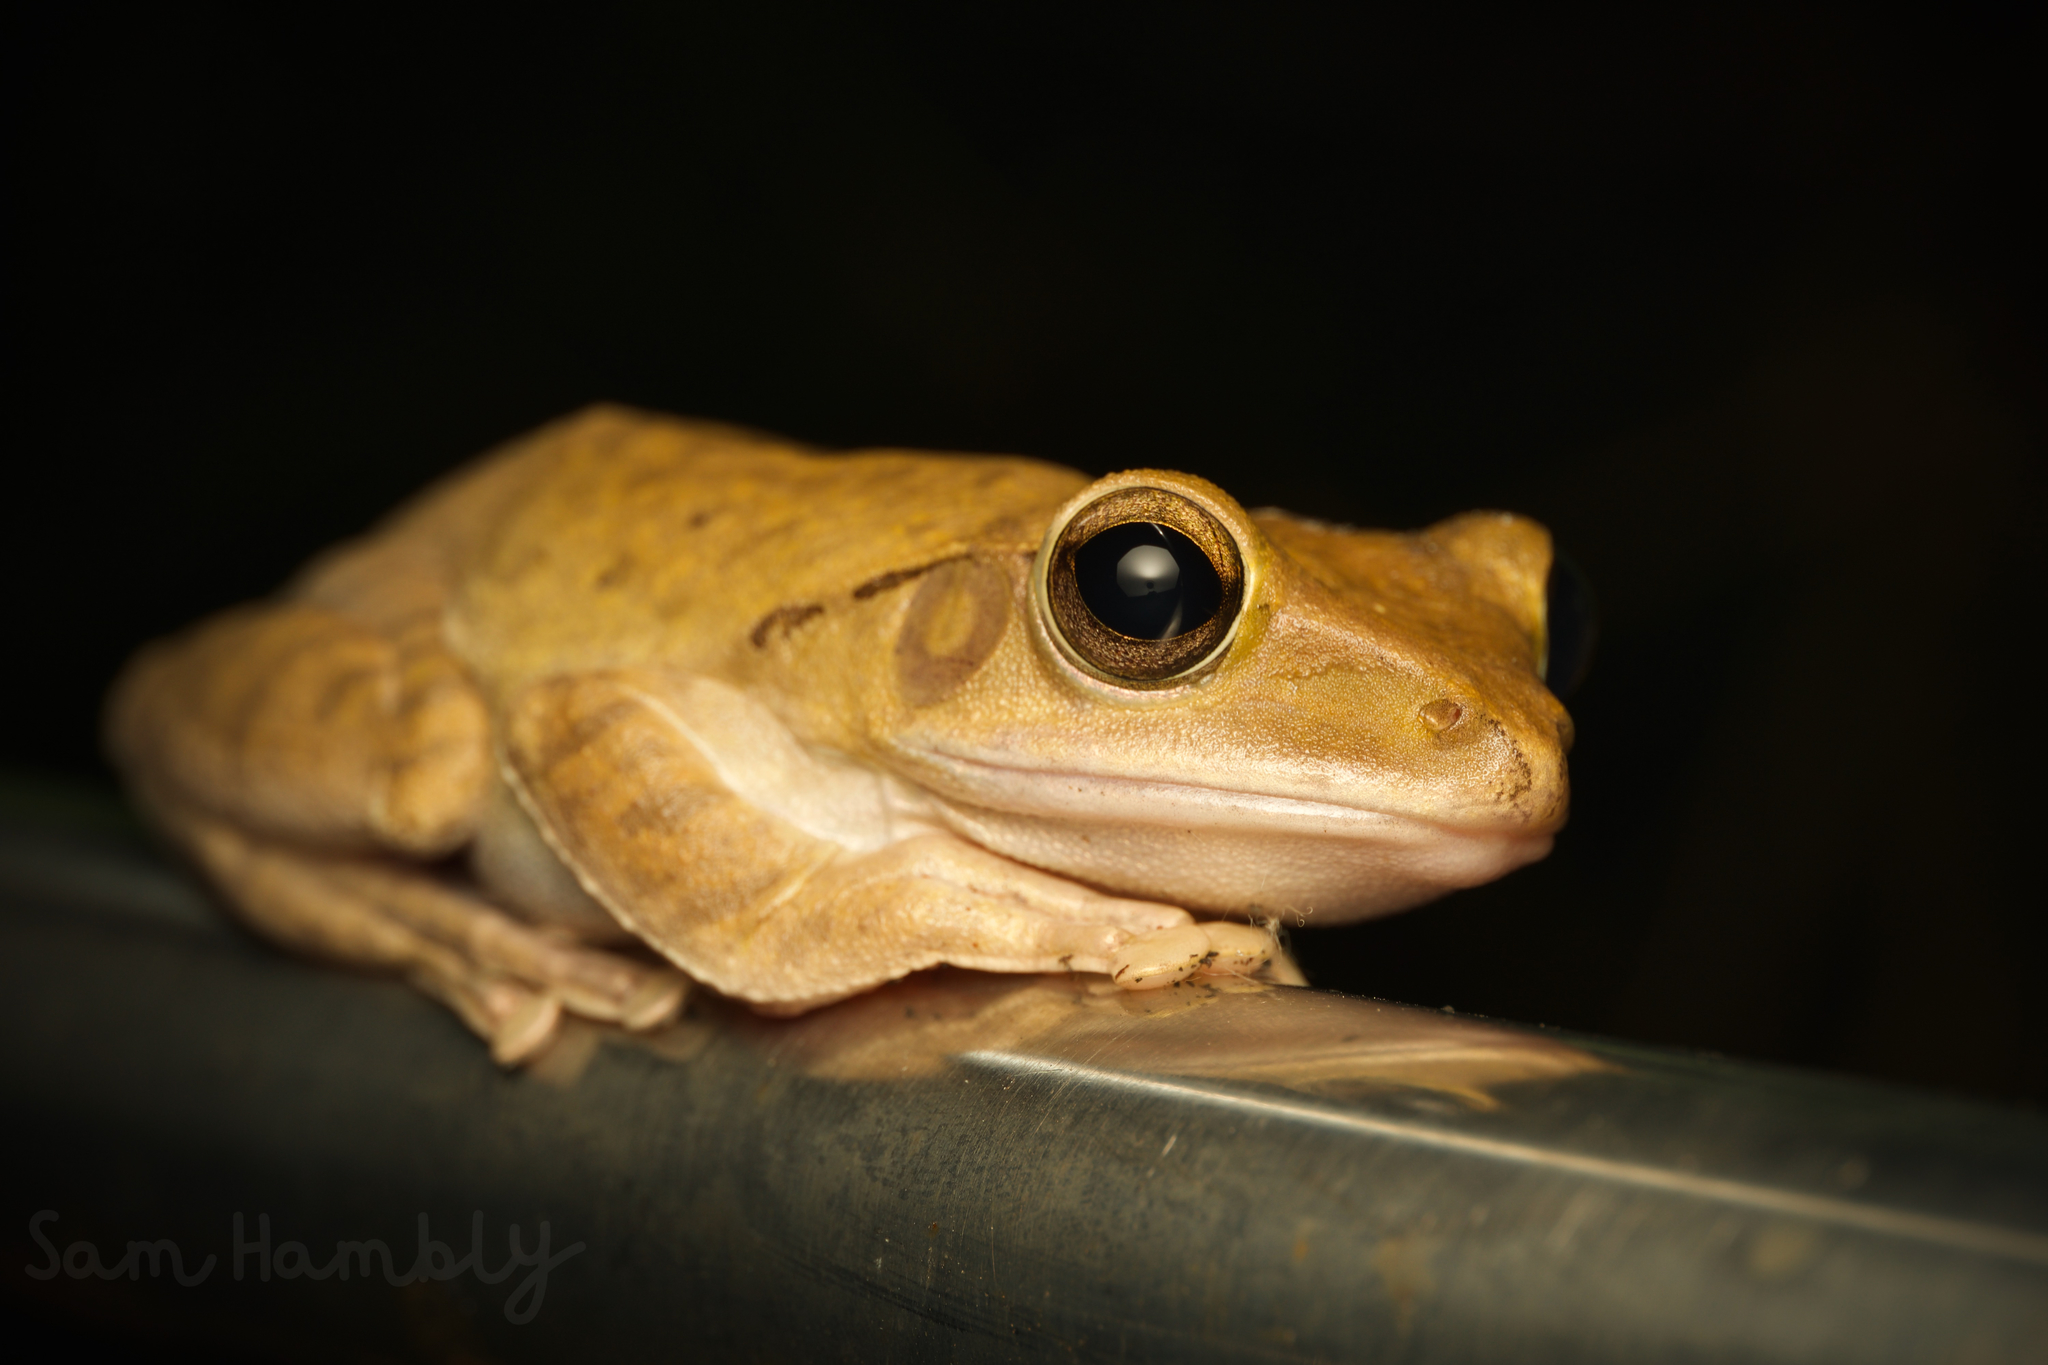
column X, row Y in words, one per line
column 1143, row 584
column 1571, row 627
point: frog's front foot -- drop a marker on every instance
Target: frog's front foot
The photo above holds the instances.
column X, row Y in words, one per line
column 1166, row 957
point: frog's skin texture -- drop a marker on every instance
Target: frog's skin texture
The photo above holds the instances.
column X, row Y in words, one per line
column 803, row 723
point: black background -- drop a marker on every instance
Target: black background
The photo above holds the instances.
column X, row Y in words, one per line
column 1746, row 305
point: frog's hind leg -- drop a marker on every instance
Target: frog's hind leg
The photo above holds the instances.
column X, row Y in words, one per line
column 313, row 766
column 509, row 982
column 296, row 721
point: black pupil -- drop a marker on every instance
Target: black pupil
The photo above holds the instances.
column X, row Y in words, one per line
column 1147, row 581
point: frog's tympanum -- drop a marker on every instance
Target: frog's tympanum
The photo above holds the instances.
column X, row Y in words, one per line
column 805, row 723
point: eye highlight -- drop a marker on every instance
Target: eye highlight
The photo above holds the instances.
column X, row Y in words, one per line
column 1143, row 585
column 1147, row 581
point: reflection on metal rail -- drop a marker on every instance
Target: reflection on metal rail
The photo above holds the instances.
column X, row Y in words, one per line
column 965, row 1167
column 1964, row 1236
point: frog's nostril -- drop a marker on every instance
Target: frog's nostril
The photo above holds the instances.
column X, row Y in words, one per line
column 1442, row 714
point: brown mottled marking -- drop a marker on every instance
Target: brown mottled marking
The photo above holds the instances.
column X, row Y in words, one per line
column 784, row 619
column 616, row 572
column 896, row 577
column 1522, row 778
column 951, row 626
column 341, row 691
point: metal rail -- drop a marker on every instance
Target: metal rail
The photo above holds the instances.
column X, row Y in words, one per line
column 957, row 1168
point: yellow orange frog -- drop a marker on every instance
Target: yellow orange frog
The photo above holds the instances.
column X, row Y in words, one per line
column 635, row 701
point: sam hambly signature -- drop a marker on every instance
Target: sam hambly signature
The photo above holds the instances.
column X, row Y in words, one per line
column 293, row 1260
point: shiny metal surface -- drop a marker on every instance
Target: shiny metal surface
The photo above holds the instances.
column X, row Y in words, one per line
column 966, row 1168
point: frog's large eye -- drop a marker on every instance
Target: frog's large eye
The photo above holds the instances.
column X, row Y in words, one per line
column 1143, row 585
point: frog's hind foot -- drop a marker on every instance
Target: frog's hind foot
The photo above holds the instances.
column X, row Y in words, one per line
column 508, row 981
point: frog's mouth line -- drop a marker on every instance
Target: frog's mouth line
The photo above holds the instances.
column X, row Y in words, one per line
column 1069, row 796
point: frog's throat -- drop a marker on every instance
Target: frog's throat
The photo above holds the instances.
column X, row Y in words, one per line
column 1111, row 799
column 1211, row 849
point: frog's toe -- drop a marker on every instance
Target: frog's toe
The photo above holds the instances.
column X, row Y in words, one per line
column 1160, row 958
column 1167, row 956
column 655, row 1001
column 518, row 1023
column 1236, row 949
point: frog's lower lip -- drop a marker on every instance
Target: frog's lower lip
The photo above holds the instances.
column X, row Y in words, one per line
column 1140, row 800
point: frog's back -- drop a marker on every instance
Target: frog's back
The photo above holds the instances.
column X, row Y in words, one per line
column 615, row 538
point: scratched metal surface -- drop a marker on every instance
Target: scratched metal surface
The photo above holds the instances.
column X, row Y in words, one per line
column 960, row 1168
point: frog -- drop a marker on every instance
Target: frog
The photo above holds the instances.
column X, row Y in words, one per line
column 635, row 705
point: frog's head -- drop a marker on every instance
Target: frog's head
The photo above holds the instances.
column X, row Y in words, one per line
column 1238, row 712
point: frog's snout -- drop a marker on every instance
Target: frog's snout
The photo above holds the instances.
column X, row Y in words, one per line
column 1516, row 761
